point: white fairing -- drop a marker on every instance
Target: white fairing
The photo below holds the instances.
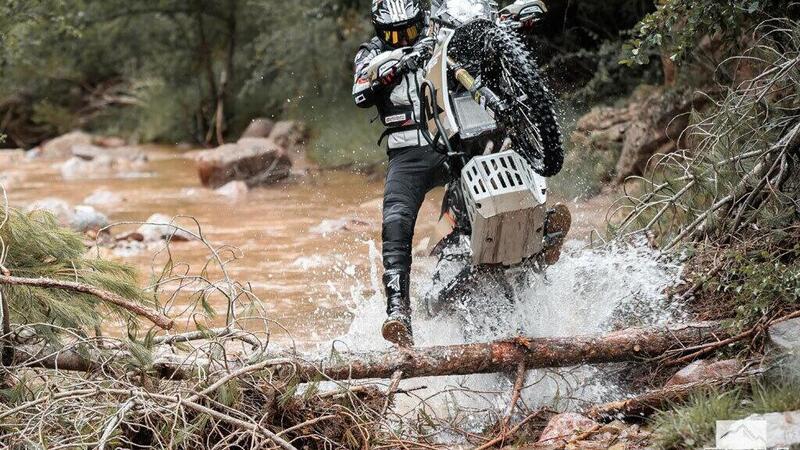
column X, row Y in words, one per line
column 506, row 202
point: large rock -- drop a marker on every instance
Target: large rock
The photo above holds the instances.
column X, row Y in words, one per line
column 82, row 218
column 259, row 128
column 652, row 122
column 61, row 147
column 293, row 136
column 158, row 227
column 703, row 370
column 562, row 427
column 86, row 218
column 256, row 164
column 784, row 340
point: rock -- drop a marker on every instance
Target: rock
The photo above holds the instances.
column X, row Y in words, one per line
column 259, row 128
column 772, row 430
column 61, row 147
column 562, row 426
column 91, row 152
column 158, row 227
column 109, row 141
column 234, row 190
column 652, row 122
column 255, row 165
column 85, row 218
column 56, row 206
column 293, row 136
column 132, row 236
column 786, row 335
column 703, row 370
column 77, row 168
column 102, row 197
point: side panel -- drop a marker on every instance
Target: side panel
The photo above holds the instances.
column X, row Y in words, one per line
column 437, row 74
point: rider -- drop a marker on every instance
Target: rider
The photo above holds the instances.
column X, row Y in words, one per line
column 414, row 167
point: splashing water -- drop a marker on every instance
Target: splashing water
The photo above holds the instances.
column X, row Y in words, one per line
column 587, row 291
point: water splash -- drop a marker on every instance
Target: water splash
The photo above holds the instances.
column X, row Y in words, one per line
column 588, row 291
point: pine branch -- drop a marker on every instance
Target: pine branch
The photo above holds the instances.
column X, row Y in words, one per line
column 157, row 318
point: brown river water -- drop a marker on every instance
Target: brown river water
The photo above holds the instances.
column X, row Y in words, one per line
column 294, row 253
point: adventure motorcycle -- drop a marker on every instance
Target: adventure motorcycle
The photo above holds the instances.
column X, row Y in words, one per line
column 486, row 107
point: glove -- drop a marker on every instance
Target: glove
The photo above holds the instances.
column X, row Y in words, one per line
column 388, row 76
column 419, row 53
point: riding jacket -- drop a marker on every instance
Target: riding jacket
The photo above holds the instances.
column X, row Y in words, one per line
column 398, row 104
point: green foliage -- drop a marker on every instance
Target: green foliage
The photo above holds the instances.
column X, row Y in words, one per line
column 758, row 285
column 158, row 69
column 36, row 246
column 693, row 424
column 677, row 26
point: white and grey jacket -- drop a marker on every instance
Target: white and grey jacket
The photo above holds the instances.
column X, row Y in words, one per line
column 398, row 104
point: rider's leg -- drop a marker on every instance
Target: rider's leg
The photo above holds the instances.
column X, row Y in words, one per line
column 412, row 173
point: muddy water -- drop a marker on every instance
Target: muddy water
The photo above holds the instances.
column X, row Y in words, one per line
column 293, row 251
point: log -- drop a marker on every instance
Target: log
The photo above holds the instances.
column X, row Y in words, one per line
column 462, row 359
column 504, row 356
column 655, row 400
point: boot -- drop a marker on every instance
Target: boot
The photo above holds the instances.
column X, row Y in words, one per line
column 397, row 328
column 557, row 225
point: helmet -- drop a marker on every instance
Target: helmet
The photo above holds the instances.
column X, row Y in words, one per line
column 398, row 23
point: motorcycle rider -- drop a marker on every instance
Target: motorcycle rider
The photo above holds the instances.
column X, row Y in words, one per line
column 414, row 167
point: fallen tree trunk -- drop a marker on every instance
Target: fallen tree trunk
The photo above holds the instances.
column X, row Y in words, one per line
column 655, row 400
column 504, row 356
column 461, row 359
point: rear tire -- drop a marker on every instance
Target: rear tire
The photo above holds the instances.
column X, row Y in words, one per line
column 530, row 121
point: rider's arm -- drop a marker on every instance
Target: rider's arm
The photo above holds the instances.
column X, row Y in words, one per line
column 363, row 93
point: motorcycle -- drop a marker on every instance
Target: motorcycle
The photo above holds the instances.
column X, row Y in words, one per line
column 484, row 105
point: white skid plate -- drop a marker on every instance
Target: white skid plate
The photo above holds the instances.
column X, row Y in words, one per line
column 506, row 205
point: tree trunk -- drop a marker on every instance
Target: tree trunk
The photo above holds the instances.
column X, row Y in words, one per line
column 652, row 401
column 462, row 359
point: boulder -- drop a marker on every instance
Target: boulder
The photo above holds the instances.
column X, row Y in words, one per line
column 785, row 335
column 56, row 206
column 703, row 370
column 259, row 128
column 102, row 197
column 652, row 122
column 158, row 227
column 784, row 341
column 293, row 136
column 61, row 147
column 77, row 168
column 234, row 190
column 255, row 164
column 562, row 427
column 85, row 218
column 109, row 141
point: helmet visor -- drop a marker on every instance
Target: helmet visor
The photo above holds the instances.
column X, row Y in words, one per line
column 400, row 37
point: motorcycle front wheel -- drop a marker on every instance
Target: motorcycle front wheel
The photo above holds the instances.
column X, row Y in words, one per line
column 530, row 120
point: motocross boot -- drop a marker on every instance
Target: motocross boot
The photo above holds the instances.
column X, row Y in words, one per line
column 397, row 328
column 557, row 225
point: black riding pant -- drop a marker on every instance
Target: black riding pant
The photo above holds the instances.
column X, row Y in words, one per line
column 413, row 172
